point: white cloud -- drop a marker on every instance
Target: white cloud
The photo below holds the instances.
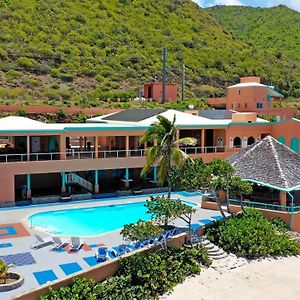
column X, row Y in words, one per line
column 226, row 2
column 203, row 3
column 294, row 4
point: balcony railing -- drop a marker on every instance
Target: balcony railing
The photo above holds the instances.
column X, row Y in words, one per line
column 74, row 154
column 268, row 206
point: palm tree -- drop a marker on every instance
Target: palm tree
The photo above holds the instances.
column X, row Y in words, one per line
column 165, row 152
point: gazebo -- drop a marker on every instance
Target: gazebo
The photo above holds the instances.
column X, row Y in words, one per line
column 270, row 164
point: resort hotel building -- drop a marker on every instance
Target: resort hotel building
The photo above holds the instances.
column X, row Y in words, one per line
column 42, row 162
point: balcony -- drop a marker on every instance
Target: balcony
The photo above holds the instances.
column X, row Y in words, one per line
column 74, row 154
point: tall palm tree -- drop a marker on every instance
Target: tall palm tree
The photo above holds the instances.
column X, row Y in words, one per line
column 167, row 152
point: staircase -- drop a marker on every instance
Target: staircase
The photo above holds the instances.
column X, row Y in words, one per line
column 73, row 178
column 221, row 260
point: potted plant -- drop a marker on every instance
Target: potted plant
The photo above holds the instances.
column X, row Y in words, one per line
column 8, row 280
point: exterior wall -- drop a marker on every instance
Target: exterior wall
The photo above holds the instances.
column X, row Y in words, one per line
column 288, row 130
column 244, row 117
column 246, row 98
column 218, row 102
column 248, row 130
column 171, row 91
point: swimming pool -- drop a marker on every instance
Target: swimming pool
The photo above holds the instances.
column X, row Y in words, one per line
column 90, row 221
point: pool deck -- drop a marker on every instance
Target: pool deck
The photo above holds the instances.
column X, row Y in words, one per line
column 42, row 265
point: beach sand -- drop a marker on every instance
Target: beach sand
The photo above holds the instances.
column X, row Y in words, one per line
column 266, row 279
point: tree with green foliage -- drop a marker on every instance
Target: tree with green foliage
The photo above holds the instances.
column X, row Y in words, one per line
column 218, row 174
column 239, row 187
column 167, row 152
column 140, row 231
column 190, row 177
column 164, row 209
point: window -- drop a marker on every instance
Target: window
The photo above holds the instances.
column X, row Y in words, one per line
column 239, row 92
column 231, row 105
column 246, row 105
column 238, row 105
column 237, row 142
column 259, row 105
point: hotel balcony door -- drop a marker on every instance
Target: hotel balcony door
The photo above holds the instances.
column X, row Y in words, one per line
column 35, row 144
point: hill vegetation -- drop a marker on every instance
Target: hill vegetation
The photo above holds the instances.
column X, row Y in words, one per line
column 76, row 52
column 275, row 29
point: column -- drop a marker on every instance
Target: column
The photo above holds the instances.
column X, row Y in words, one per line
column 127, row 145
column 203, row 140
column 63, row 182
column 80, row 144
column 155, row 175
column 96, row 147
column 62, row 147
column 126, row 181
column 282, row 199
column 28, row 147
column 96, row 186
column 28, row 182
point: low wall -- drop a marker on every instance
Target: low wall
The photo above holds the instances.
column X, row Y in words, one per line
column 46, row 199
column 7, row 204
column 97, row 273
column 269, row 214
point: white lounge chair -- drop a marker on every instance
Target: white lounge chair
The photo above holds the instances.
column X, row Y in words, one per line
column 40, row 242
column 76, row 244
column 59, row 244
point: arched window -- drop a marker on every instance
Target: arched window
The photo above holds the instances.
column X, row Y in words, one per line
column 237, row 143
column 251, row 140
column 281, row 139
column 295, row 144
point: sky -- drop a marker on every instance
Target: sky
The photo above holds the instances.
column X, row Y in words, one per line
column 294, row 4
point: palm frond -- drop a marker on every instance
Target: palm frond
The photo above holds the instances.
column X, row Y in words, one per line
column 186, row 141
column 163, row 170
column 178, row 157
column 152, row 156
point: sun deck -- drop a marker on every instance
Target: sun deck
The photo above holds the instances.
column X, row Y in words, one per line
column 42, row 265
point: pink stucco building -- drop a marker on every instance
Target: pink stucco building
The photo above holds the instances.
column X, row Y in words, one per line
column 250, row 95
column 39, row 159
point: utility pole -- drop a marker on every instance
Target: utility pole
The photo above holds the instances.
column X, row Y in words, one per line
column 164, row 75
column 183, row 83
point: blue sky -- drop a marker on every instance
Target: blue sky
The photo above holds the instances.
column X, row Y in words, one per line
column 294, row 4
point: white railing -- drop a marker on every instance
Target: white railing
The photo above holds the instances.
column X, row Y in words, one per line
column 206, row 149
column 73, row 154
column 74, row 178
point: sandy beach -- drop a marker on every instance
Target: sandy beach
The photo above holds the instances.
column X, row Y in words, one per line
column 265, row 279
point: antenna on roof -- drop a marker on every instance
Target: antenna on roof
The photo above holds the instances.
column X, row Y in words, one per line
column 164, row 75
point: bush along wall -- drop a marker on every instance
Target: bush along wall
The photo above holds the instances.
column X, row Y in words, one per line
column 251, row 235
column 140, row 276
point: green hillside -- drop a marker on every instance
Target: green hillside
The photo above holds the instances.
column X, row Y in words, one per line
column 81, row 52
column 276, row 28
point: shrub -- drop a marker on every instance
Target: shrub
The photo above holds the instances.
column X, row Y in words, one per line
column 251, row 235
column 140, row 277
column 3, row 271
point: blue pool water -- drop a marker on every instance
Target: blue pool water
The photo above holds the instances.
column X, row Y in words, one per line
column 90, row 221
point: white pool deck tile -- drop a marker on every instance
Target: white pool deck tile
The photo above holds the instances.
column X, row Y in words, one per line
column 50, row 260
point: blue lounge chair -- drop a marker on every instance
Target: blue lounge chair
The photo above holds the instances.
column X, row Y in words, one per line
column 217, row 218
column 136, row 246
column 205, row 221
column 102, row 254
column 119, row 250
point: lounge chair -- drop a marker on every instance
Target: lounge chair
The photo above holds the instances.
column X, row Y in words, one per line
column 40, row 243
column 136, row 246
column 76, row 244
column 59, row 244
column 119, row 250
column 217, row 218
column 101, row 254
